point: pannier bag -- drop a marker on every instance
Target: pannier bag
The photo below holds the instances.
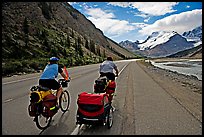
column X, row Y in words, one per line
column 100, row 85
column 91, row 104
column 37, row 94
column 49, row 105
column 110, row 89
column 32, row 109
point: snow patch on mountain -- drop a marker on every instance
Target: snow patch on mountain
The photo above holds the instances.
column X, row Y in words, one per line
column 156, row 38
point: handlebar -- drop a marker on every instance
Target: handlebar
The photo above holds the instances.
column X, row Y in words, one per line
column 63, row 80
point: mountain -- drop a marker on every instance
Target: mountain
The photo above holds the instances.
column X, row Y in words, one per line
column 34, row 31
column 122, row 50
column 164, row 43
column 195, row 34
column 195, row 52
column 161, row 44
column 132, row 46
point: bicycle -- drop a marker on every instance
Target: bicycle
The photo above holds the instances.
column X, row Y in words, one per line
column 36, row 108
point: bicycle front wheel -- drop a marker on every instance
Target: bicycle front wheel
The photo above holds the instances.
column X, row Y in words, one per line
column 64, row 101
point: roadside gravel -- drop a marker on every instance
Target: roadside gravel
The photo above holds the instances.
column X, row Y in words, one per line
column 186, row 90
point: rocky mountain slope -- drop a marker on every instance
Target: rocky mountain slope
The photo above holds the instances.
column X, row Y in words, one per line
column 195, row 52
column 34, row 31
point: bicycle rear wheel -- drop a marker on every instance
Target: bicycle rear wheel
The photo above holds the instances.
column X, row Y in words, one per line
column 42, row 122
column 64, row 101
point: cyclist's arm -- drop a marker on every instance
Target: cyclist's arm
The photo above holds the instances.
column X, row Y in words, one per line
column 62, row 73
column 116, row 70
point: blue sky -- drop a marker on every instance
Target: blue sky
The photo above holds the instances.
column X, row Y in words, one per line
column 133, row 21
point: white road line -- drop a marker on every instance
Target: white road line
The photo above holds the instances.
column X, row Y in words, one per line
column 10, row 99
column 122, row 69
column 77, row 129
column 32, row 78
column 19, row 80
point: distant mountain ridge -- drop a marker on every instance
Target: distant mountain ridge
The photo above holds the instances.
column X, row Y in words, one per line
column 193, row 34
column 195, row 52
column 163, row 43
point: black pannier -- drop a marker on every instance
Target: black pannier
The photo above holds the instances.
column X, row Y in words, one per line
column 100, row 85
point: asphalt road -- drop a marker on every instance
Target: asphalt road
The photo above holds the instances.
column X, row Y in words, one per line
column 142, row 106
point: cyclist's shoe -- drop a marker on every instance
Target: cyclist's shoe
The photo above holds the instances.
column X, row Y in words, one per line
column 34, row 119
column 57, row 106
column 113, row 109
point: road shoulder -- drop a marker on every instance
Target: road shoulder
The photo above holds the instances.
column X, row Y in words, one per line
column 186, row 90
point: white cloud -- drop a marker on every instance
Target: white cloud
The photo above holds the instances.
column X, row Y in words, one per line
column 180, row 23
column 150, row 8
column 106, row 21
column 155, row 8
column 98, row 13
column 141, row 15
column 120, row 4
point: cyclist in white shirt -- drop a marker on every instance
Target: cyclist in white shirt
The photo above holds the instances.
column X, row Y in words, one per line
column 107, row 69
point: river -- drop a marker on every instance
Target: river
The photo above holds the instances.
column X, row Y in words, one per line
column 187, row 67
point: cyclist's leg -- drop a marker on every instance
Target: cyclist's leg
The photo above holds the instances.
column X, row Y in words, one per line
column 112, row 76
column 56, row 86
column 59, row 92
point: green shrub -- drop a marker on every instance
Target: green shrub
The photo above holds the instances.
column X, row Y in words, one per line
column 11, row 67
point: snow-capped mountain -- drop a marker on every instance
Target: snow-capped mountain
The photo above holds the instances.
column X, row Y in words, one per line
column 161, row 44
column 155, row 39
column 193, row 34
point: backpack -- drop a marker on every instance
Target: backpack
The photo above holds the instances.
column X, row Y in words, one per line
column 49, row 103
column 100, row 85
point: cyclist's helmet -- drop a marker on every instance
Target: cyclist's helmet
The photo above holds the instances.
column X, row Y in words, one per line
column 54, row 59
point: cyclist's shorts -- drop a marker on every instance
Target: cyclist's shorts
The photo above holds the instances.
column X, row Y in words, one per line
column 110, row 76
column 50, row 83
